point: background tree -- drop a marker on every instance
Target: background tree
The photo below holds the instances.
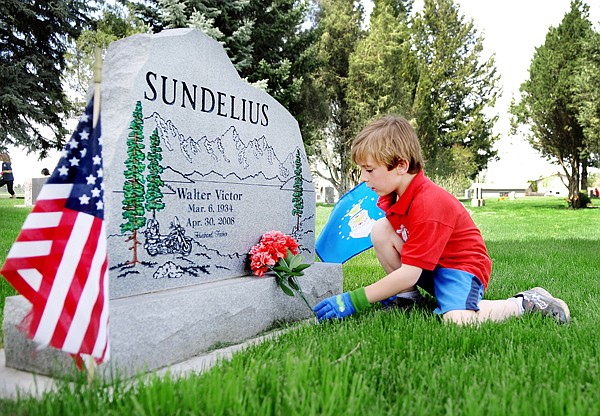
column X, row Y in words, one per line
column 339, row 23
column 454, row 89
column 282, row 52
column 146, row 11
column 133, row 188
column 154, row 182
column 116, row 21
column 267, row 41
column 587, row 100
column 34, row 36
column 548, row 105
column 383, row 72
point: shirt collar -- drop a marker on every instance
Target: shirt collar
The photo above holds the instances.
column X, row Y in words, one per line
column 401, row 206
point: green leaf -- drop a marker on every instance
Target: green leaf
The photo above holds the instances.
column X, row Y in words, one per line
column 285, row 288
column 295, row 262
column 293, row 283
column 280, row 268
column 301, row 267
column 283, row 262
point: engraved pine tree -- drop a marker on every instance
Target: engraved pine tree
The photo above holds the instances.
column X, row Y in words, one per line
column 297, row 198
column 133, row 196
column 154, row 182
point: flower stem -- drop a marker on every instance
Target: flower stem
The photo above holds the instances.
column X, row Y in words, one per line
column 305, row 301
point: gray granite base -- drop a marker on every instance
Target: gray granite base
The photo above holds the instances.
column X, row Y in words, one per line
column 156, row 330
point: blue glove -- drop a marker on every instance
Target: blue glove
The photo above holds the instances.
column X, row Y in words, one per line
column 338, row 306
column 341, row 306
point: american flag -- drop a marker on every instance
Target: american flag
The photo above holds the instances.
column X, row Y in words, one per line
column 59, row 260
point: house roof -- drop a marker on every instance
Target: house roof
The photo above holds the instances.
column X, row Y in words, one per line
column 556, row 174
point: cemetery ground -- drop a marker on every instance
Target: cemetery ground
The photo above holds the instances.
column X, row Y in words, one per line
column 393, row 362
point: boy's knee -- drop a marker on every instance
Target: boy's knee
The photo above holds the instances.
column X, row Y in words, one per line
column 382, row 231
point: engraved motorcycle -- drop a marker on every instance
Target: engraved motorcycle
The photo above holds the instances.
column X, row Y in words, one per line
column 174, row 242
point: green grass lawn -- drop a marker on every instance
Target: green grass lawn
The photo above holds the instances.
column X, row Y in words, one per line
column 12, row 216
column 397, row 363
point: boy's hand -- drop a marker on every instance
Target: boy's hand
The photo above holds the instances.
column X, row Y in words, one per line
column 341, row 306
column 338, row 307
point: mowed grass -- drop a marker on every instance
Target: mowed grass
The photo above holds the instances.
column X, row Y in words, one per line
column 401, row 363
column 12, row 216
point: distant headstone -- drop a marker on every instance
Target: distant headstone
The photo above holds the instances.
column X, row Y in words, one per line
column 28, row 193
column 197, row 166
column 32, row 189
column 329, row 195
column 36, row 187
column 477, row 200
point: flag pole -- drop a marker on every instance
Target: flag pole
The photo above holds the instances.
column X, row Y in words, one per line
column 97, row 82
column 91, row 365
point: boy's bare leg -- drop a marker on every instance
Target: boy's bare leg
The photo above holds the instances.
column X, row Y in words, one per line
column 489, row 310
column 387, row 245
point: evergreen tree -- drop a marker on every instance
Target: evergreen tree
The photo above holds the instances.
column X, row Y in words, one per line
column 228, row 21
column 264, row 39
column 147, row 11
column 339, row 23
column 281, row 49
column 34, row 36
column 383, row 72
column 548, row 105
column 133, row 196
column 154, row 182
column 297, row 198
column 454, row 88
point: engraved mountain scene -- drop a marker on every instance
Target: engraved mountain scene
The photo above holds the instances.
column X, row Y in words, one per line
column 217, row 158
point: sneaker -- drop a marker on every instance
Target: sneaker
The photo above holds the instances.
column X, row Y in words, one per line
column 540, row 300
column 402, row 302
column 13, row 196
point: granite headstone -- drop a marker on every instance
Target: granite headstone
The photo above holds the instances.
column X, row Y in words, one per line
column 198, row 164
column 220, row 163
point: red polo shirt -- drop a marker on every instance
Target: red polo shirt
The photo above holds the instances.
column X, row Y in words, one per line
column 437, row 230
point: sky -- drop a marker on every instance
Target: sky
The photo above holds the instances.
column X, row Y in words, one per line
column 512, row 29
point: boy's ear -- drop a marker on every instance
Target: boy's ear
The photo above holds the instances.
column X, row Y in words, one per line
column 402, row 167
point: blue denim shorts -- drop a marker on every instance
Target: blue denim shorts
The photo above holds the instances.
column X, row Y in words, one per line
column 453, row 289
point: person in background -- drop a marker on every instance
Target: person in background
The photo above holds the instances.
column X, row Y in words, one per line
column 7, row 174
column 45, row 172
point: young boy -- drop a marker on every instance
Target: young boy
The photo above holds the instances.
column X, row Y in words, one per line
column 426, row 239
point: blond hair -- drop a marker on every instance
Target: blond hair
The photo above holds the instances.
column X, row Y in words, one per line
column 4, row 157
column 388, row 140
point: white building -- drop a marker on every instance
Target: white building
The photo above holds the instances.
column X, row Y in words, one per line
column 496, row 191
column 553, row 185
